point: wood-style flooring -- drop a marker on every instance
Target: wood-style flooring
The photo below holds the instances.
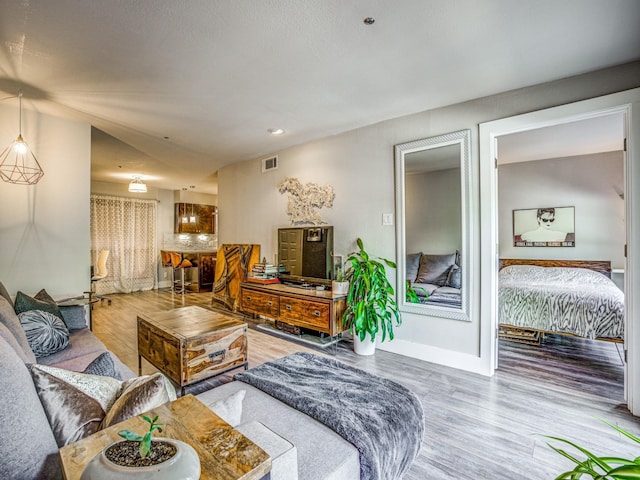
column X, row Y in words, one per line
column 476, row 427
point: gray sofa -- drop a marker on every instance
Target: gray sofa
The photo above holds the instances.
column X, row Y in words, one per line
column 300, row 447
column 436, row 278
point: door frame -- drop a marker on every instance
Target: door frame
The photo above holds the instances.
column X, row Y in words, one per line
column 628, row 103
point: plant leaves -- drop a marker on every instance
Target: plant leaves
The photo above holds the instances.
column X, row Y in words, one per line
column 129, row 435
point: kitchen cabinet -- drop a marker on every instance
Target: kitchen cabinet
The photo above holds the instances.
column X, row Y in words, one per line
column 195, row 218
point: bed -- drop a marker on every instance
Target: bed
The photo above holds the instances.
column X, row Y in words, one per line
column 558, row 296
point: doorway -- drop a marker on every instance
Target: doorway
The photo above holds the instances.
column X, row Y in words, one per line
column 574, row 173
column 624, row 104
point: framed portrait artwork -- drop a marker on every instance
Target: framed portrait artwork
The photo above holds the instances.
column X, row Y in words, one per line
column 544, row 227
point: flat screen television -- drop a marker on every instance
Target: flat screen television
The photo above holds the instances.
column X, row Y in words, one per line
column 306, row 254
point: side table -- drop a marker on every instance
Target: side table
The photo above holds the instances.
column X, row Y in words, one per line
column 225, row 454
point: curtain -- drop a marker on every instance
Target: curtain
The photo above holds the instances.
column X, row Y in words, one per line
column 127, row 228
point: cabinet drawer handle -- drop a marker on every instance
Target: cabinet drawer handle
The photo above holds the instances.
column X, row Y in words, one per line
column 316, row 313
column 288, row 307
column 248, row 298
column 270, row 303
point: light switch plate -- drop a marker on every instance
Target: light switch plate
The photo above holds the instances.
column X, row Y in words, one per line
column 387, row 219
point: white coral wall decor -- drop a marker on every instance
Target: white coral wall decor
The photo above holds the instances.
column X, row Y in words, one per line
column 305, row 200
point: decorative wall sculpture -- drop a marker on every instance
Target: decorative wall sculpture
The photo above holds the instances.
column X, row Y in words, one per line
column 305, row 200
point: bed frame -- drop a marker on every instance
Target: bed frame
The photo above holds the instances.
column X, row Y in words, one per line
column 534, row 337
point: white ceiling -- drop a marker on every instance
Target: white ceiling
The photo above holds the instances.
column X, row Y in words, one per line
column 213, row 76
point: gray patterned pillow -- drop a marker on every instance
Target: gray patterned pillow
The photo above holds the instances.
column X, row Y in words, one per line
column 103, row 365
column 45, row 332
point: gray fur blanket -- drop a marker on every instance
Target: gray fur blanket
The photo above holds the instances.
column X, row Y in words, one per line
column 381, row 418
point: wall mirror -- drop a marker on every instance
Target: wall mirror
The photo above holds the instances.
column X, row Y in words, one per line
column 433, row 225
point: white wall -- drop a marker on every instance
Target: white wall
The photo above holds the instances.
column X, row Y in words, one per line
column 433, row 209
column 44, row 228
column 359, row 165
column 585, row 182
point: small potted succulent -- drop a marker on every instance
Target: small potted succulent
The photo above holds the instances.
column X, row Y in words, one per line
column 143, row 457
column 340, row 286
column 371, row 305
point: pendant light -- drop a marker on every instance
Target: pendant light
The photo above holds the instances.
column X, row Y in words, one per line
column 137, row 185
column 184, row 213
column 192, row 218
column 18, row 164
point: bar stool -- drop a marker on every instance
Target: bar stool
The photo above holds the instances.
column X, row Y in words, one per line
column 165, row 257
column 179, row 263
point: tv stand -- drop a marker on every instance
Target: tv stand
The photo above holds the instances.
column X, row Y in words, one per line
column 318, row 310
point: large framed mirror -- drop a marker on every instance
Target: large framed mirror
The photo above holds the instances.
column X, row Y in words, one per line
column 433, row 181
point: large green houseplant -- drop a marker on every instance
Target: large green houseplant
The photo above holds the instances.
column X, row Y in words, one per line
column 371, row 304
column 611, row 467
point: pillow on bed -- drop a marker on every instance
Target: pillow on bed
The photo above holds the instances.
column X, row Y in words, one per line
column 435, row 268
column 413, row 263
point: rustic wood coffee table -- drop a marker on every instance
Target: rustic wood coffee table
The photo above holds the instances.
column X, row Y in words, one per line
column 225, row 454
column 191, row 344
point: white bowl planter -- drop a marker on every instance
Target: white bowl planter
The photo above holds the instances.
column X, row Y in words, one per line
column 184, row 465
column 364, row 347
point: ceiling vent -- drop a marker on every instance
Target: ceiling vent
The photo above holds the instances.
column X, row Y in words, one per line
column 269, row 163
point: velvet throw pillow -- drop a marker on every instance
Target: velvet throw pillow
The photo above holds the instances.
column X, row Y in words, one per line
column 41, row 301
column 454, row 277
column 411, row 268
column 46, row 333
column 79, row 404
column 434, row 269
column 230, row 409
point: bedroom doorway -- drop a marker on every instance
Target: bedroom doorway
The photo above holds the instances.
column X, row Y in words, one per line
column 574, row 174
column 620, row 104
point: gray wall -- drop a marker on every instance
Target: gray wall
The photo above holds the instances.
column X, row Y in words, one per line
column 432, row 223
column 359, row 165
column 585, row 182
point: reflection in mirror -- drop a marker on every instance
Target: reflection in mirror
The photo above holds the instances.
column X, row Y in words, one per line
column 432, row 208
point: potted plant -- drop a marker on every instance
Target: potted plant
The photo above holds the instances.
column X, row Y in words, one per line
column 340, row 286
column 143, row 457
column 611, row 467
column 371, row 305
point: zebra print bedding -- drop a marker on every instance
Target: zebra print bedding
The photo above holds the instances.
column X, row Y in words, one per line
column 562, row 300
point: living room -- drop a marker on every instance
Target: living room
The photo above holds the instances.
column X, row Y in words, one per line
column 45, row 232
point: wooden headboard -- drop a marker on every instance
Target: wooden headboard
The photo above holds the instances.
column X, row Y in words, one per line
column 601, row 266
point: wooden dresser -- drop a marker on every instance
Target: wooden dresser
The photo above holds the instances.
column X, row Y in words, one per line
column 316, row 310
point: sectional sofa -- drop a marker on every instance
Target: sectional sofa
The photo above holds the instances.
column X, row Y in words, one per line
column 300, row 447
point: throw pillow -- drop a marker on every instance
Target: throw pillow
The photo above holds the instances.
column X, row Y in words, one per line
column 74, row 403
column 230, row 409
column 454, row 277
column 435, row 268
column 77, row 404
column 137, row 396
column 103, row 365
column 41, row 301
column 45, row 332
column 413, row 263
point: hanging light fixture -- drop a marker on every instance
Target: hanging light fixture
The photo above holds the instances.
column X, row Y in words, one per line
column 137, row 186
column 192, row 218
column 184, row 213
column 18, row 164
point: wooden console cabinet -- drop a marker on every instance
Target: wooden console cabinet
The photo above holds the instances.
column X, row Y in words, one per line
column 316, row 310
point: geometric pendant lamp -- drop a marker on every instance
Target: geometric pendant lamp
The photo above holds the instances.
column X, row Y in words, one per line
column 18, row 164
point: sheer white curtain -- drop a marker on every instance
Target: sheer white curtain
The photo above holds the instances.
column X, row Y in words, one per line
column 127, row 228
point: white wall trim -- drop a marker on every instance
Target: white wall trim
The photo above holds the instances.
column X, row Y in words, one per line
column 436, row 355
column 627, row 102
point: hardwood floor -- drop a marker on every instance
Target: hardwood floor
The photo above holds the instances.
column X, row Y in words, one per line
column 476, row 427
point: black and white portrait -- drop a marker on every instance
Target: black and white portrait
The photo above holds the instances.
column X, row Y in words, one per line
column 544, row 227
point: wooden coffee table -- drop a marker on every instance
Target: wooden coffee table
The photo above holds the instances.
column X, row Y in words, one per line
column 191, row 344
column 225, row 454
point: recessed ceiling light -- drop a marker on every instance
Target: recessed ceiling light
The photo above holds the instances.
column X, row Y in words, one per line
column 276, row 131
column 369, row 21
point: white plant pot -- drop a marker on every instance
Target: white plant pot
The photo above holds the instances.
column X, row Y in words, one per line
column 184, row 465
column 339, row 288
column 364, row 347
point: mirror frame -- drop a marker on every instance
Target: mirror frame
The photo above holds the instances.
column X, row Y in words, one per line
column 462, row 138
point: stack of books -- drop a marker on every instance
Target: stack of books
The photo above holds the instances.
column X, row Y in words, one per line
column 263, row 273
